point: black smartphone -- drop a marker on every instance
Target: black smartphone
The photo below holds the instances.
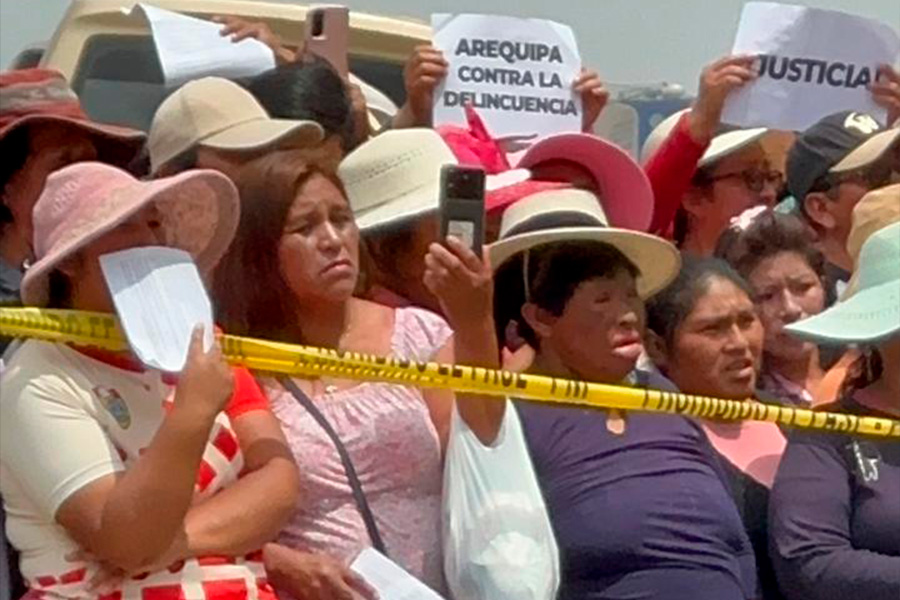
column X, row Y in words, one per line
column 462, row 205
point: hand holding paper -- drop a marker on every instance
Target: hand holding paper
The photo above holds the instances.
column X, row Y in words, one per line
column 160, row 299
column 389, row 579
column 811, row 63
column 189, row 48
column 717, row 82
column 886, row 92
column 206, row 382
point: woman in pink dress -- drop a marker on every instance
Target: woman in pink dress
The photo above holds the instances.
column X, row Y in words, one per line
column 290, row 276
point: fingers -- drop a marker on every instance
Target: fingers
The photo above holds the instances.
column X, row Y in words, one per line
column 887, row 74
column 587, row 79
column 465, row 255
column 195, row 348
column 239, row 29
column 734, row 73
column 429, row 54
column 886, row 90
column 360, row 586
column 740, row 60
column 250, row 32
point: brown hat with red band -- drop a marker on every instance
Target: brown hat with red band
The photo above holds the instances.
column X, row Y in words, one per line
column 30, row 97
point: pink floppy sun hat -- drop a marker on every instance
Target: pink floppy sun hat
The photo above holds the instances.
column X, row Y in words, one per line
column 199, row 210
column 624, row 189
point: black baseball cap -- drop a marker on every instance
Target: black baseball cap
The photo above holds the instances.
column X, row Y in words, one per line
column 839, row 143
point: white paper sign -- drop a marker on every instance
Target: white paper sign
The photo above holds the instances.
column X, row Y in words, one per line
column 189, row 48
column 517, row 73
column 812, row 63
column 389, row 579
column 159, row 298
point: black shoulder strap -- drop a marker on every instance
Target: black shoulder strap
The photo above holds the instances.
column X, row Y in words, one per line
column 358, row 495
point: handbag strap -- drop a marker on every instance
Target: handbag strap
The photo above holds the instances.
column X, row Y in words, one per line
column 355, row 484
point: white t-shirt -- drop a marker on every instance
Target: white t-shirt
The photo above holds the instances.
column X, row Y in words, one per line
column 67, row 419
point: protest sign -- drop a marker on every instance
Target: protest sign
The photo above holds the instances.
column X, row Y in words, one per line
column 812, row 63
column 517, row 73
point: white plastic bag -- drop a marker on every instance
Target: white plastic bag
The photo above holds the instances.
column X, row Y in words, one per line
column 498, row 542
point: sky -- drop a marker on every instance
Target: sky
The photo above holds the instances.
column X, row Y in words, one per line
column 626, row 41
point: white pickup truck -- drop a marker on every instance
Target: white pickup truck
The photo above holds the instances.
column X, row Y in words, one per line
column 108, row 55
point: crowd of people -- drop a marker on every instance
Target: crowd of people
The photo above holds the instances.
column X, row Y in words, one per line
column 713, row 268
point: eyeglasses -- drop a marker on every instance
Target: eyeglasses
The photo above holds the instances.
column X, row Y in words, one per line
column 754, row 180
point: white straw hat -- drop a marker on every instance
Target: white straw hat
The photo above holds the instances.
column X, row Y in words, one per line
column 721, row 145
column 395, row 177
column 575, row 215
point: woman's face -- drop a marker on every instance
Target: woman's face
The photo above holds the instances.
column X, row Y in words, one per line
column 787, row 290
column 90, row 291
column 319, row 248
column 716, row 350
column 599, row 334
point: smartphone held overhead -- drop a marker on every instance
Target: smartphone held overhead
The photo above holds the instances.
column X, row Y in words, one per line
column 327, row 35
column 462, row 205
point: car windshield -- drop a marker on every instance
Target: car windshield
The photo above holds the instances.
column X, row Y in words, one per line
column 119, row 79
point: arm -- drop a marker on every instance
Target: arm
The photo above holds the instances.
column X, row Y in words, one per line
column 593, row 98
column 672, row 167
column 239, row 29
column 464, row 284
column 313, row 576
column 131, row 519
column 250, row 513
column 886, row 92
column 440, row 402
column 670, row 171
column 424, row 71
column 809, row 531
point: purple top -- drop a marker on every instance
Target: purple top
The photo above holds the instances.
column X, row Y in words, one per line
column 639, row 515
column 834, row 524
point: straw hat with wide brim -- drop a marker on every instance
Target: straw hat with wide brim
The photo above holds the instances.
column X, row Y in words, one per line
column 199, row 210
column 722, row 145
column 395, row 177
column 624, row 188
column 872, row 313
column 576, row 215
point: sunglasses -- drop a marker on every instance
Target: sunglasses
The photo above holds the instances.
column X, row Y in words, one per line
column 754, row 180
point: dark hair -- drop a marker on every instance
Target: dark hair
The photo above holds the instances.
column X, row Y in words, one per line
column 252, row 297
column 769, row 234
column 15, row 154
column 668, row 309
column 310, row 90
column 554, row 273
column 59, row 290
column 865, row 370
column 681, row 223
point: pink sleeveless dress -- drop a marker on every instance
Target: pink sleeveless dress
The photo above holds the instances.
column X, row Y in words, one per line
column 394, row 446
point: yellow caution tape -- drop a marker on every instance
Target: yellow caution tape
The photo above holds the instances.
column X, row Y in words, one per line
column 102, row 331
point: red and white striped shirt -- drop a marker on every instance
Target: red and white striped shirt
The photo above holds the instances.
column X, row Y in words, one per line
column 69, row 417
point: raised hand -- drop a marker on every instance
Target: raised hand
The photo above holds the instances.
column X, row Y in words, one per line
column 717, row 81
column 594, row 97
column 886, row 92
column 206, row 383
